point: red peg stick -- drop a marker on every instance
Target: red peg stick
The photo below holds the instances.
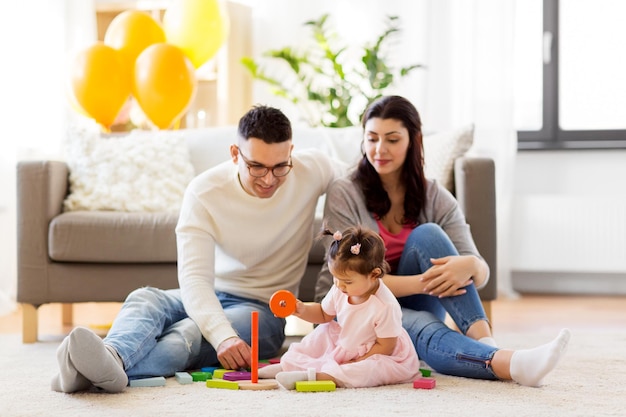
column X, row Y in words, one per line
column 254, row 366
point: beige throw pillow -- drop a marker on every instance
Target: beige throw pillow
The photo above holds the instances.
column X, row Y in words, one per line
column 139, row 171
column 442, row 149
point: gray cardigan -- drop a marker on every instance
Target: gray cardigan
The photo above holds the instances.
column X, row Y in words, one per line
column 345, row 207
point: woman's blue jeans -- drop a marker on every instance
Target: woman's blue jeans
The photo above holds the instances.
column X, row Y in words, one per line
column 444, row 349
column 154, row 336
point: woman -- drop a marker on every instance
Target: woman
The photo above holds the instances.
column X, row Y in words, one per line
column 435, row 266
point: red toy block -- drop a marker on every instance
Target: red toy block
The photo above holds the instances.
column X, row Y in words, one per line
column 425, row 383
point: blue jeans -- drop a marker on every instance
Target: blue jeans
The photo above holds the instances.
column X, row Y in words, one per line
column 444, row 349
column 154, row 336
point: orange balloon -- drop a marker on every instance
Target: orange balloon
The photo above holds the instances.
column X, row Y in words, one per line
column 100, row 82
column 131, row 32
column 164, row 83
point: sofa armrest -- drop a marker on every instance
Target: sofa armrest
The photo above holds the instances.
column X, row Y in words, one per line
column 475, row 189
column 41, row 188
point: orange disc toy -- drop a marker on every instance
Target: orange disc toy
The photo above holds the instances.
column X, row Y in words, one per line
column 283, row 303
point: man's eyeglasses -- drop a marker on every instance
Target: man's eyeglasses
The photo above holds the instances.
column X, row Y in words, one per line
column 260, row 171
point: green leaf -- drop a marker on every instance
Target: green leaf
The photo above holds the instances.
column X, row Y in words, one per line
column 321, row 78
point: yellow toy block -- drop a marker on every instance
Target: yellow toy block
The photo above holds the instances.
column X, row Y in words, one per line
column 220, row 383
column 314, row 386
column 219, row 373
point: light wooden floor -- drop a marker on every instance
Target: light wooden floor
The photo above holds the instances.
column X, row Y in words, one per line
column 529, row 313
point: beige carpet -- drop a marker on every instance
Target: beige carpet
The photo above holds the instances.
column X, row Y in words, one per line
column 590, row 381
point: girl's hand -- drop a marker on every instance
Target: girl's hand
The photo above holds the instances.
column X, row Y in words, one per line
column 448, row 276
column 299, row 307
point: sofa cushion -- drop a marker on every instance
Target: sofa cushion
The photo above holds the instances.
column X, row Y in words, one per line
column 117, row 237
column 442, row 149
column 140, row 171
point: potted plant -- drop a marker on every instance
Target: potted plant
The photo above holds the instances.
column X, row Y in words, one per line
column 326, row 86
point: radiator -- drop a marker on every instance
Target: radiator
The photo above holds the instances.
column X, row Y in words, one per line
column 569, row 234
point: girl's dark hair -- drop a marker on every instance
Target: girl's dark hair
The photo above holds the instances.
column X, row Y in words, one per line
column 266, row 123
column 366, row 177
column 344, row 256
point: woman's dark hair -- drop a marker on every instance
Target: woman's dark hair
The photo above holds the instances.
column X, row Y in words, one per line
column 266, row 123
column 356, row 249
column 366, row 177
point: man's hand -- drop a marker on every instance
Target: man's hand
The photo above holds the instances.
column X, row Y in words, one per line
column 234, row 353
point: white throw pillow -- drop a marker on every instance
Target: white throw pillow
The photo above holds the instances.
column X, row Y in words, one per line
column 441, row 150
column 139, row 171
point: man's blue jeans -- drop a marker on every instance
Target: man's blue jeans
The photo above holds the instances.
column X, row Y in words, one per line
column 154, row 336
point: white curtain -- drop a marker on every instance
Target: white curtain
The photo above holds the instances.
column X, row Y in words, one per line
column 470, row 80
column 38, row 37
column 467, row 49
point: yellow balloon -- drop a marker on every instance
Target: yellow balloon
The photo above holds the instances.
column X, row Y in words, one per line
column 131, row 32
column 198, row 27
column 164, row 83
column 100, row 82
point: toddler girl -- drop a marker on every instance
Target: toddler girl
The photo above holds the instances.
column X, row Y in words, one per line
column 366, row 345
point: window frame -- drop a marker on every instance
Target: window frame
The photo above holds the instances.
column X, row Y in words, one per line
column 551, row 136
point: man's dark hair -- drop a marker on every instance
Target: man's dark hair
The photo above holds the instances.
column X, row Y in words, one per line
column 266, row 123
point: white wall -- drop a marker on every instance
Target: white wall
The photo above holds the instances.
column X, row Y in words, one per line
column 582, row 247
column 356, row 21
column 33, row 100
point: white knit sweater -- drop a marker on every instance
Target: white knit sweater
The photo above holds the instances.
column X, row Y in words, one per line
column 231, row 241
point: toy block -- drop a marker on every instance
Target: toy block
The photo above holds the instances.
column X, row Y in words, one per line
column 209, row 369
column 424, row 383
column 201, row 376
column 219, row 373
column 183, row 378
column 237, row 376
column 315, row 386
column 274, row 361
column 425, row 372
column 264, row 384
column 157, row 381
column 220, row 383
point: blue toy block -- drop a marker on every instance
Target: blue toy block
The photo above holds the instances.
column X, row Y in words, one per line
column 157, row 381
column 183, row 378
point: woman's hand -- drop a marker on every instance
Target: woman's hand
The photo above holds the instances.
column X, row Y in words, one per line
column 449, row 275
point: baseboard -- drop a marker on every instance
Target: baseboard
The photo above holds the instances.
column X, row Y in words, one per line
column 569, row 282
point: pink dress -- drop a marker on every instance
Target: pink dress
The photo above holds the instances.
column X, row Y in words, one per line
column 330, row 346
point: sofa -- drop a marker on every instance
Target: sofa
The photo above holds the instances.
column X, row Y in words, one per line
column 68, row 253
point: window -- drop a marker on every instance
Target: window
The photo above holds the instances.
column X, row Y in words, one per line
column 570, row 74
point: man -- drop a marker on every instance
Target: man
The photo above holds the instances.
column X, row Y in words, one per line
column 244, row 231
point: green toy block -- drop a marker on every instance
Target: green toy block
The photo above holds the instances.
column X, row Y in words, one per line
column 220, row 383
column 201, row 376
column 425, row 372
column 315, row 386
